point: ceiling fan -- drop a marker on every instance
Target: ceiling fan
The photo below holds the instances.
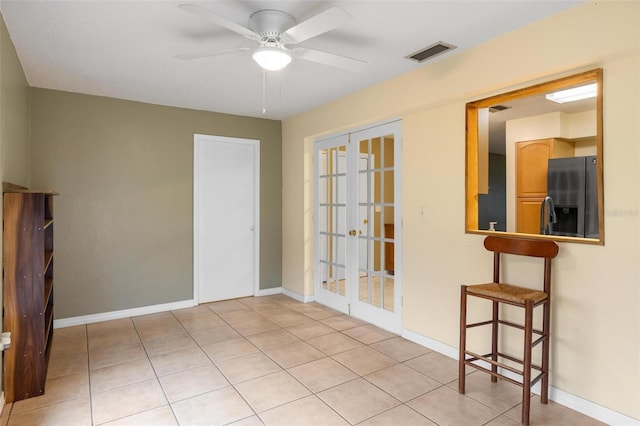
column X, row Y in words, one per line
column 275, row 30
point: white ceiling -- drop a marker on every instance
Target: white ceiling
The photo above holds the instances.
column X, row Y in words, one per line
column 126, row 49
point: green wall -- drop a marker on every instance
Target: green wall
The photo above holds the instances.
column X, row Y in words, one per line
column 14, row 125
column 124, row 216
column 14, row 114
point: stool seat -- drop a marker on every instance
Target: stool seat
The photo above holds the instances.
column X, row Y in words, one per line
column 507, row 293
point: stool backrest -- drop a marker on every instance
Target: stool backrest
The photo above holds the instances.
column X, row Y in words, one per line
column 523, row 247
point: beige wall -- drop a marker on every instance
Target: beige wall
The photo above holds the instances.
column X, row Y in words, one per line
column 124, row 216
column 596, row 319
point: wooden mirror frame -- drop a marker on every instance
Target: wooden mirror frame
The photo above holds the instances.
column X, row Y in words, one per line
column 473, row 152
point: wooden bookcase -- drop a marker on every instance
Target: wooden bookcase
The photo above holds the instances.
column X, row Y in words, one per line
column 28, row 289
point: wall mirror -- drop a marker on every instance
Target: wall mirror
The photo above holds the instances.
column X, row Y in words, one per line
column 534, row 161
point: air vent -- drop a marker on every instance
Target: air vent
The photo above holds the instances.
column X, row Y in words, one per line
column 498, row 108
column 430, row 51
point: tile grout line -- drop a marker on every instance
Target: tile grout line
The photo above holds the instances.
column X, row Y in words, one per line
column 155, row 373
column 64, row 399
column 86, row 331
column 279, row 365
column 147, row 358
column 232, row 385
column 358, row 376
column 293, row 377
column 312, row 393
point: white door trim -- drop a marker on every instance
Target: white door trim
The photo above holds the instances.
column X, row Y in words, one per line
column 200, row 138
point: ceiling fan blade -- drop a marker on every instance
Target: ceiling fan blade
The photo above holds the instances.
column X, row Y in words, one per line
column 220, row 20
column 316, row 25
column 214, row 52
column 330, row 59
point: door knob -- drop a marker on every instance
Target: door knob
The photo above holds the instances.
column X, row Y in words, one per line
column 352, row 232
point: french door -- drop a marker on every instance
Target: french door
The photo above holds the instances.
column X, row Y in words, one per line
column 358, row 224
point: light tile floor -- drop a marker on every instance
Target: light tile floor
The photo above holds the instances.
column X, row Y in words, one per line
column 268, row 360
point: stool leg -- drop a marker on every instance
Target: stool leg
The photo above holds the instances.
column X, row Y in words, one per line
column 526, row 374
column 546, row 326
column 494, row 341
column 463, row 338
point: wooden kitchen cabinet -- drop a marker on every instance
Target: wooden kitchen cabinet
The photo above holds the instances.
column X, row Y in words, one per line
column 529, row 215
column 28, row 290
column 531, row 164
column 532, row 159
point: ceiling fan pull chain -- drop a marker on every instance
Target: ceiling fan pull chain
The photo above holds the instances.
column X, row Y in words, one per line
column 264, row 91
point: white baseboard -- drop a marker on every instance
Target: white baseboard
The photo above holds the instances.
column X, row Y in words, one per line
column 286, row 292
column 427, row 342
column 269, row 291
column 145, row 310
column 590, row 409
column 297, row 296
column 125, row 313
column 561, row 397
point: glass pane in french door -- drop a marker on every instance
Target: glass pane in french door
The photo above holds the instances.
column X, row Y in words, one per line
column 376, row 222
column 332, row 213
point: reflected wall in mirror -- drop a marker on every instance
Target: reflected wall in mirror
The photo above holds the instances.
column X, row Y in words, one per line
column 534, row 161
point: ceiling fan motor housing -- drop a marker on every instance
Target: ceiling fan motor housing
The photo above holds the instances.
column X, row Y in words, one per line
column 269, row 24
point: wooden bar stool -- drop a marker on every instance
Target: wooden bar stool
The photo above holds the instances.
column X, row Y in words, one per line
column 522, row 297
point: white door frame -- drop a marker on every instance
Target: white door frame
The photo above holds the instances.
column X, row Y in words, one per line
column 197, row 140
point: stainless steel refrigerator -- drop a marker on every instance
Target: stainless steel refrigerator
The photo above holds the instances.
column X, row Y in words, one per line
column 573, row 187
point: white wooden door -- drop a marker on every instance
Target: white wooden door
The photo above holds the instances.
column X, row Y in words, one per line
column 358, row 224
column 226, row 217
column 331, row 222
column 377, row 295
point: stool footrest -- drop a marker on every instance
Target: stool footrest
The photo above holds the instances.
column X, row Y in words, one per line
column 475, row 357
column 485, row 358
column 518, row 360
column 486, row 370
column 503, row 322
column 537, row 341
column 478, row 324
column 518, row 326
column 537, row 379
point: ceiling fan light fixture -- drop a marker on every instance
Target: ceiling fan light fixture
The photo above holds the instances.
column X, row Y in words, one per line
column 272, row 58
